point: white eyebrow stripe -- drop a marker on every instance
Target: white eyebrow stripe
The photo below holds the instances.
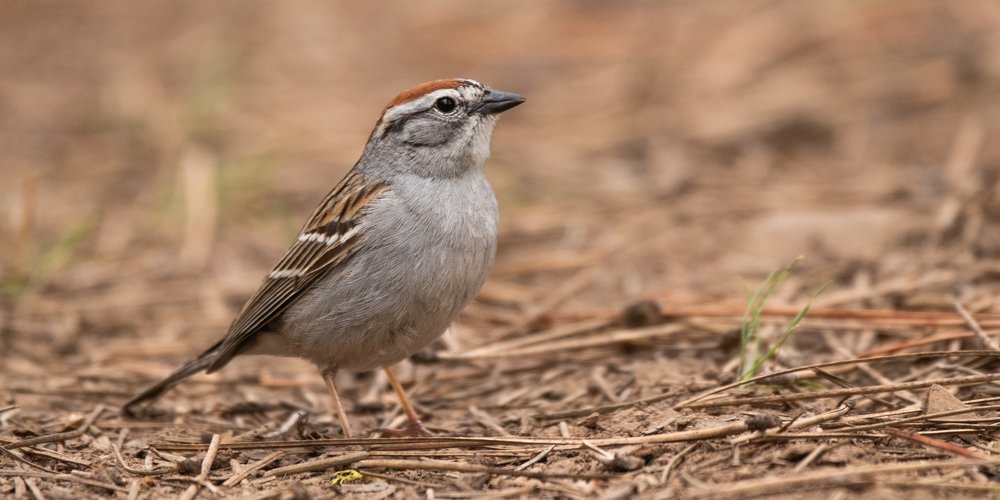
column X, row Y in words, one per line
column 423, row 102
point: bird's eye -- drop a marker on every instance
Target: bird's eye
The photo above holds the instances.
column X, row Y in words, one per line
column 445, row 105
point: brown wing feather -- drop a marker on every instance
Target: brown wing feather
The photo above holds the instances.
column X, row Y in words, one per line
column 325, row 241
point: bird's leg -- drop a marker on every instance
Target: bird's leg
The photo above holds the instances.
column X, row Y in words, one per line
column 413, row 427
column 329, row 376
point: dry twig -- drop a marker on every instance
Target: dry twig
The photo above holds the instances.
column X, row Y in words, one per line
column 318, row 464
column 952, row 448
column 206, row 467
column 853, row 391
column 690, row 403
column 825, row 478
column 62, row 436
column 984, row 339
column 140, row 472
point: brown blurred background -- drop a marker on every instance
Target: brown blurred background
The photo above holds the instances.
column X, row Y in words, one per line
column 158, row 157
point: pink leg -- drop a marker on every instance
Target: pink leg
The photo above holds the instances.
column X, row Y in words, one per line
column 414, row 427
column 329, row 377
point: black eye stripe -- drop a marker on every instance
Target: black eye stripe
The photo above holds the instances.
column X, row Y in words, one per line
column 445, row 104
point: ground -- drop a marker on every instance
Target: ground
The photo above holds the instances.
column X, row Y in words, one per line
column 158, row 157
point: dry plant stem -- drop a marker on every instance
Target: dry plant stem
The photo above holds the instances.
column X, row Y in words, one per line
column 140, row 472
column 921, row 418
column 319, row 464
column 855, row 430
column 62, row 436
column 25, row 461
column 245, row 473
column 486, row 420
column 122, row 434
column 882, row 379
column 815, row 436
column 213, row 450
column 62, row 477
column 965, row 368
column 473, row 442
column 825, row 478
column 19, row 488
column 266, row 431
column 837, row 345
column 984, row 339
column 870, row 316
column 516, row 492
column 60, row 457
column 987, row 449
column 443, row 465
column 839, row 393
column 286, row 426
column 821, row 373
column 403, row 480
column 602, row 455
column 206, row 467
column 816, row 452
column 893, row 357
column 798, row 424
column 914, row 343
column 35, row 490
column 329, row 377
column 537, row 458
column 676, row 459
column 170, row 457
column 508, row 453
column 955, row 432
column 935, row 484
column 598, row 380
column 952, row 448
column 885, row 414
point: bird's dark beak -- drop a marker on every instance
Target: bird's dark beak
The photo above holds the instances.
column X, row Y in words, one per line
column 496, row 101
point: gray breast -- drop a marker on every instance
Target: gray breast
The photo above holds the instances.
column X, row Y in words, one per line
column 427, row 248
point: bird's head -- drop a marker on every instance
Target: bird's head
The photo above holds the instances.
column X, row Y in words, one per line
column 440, row 128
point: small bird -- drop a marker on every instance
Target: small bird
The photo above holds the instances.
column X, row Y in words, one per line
column 390, row 256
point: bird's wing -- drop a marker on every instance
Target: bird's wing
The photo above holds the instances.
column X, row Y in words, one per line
column 326, row 240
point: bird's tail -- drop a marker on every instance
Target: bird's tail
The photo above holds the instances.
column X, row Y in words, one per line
column 197, row 365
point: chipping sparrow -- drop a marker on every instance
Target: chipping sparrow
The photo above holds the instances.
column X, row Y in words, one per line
column 390, row 256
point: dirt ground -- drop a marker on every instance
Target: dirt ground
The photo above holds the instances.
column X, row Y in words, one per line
column 158, row 158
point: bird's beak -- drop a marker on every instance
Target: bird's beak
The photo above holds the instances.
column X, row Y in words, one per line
column 496, row 101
